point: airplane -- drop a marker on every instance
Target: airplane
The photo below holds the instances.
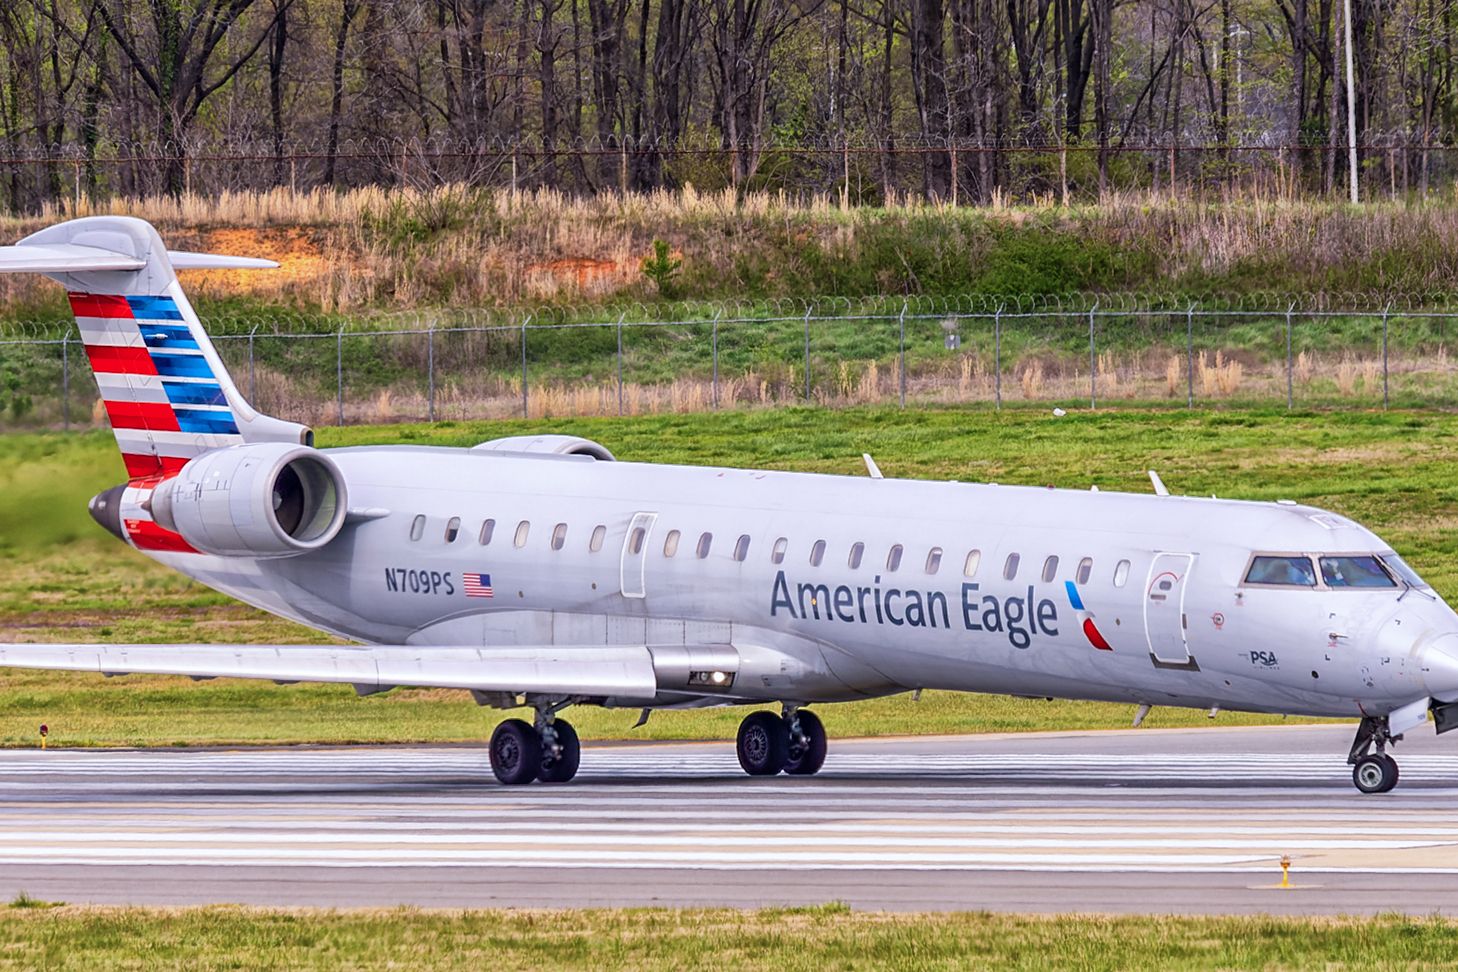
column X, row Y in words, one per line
column 538, row 572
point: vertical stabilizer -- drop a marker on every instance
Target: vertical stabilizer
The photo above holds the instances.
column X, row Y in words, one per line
column 166, row 391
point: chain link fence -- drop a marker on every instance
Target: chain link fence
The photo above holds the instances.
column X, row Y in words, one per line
column 1009, row 354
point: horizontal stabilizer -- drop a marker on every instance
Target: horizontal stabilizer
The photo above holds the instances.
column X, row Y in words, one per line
column 74, row 258
column 624, row 671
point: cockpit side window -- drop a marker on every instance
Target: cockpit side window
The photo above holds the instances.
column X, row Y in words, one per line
column 1355, row 571
column 1399, row 567
column 1281, row 571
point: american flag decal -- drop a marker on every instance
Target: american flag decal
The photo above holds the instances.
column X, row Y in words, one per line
column 478, row 585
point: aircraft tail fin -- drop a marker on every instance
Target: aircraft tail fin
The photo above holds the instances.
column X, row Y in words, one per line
column 166, row 391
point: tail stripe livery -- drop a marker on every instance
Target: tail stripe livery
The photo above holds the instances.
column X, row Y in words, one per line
column 153, row 378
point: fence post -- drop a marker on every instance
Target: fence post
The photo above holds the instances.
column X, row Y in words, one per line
column 524, row 322
column 339, row 371
column 717, row 315
column 1190, row 355
column 252, row 382
column 1290, row 362
column 1385, row 311
column 997, row 355
column 430, row 370
column 903, row 353
column 66, row 381
column 1093, row 364
column 807, row 354
column 620, row 363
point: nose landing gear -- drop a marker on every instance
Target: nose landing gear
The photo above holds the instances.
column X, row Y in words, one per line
column 1373, row 770
column 794, row 743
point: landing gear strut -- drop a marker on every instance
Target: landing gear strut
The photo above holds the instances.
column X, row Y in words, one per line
column 548, row 751
column 1373, row 770
column 794, row 742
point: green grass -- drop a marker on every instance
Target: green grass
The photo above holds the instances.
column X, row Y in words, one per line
column 790, row 939
column 62, row 579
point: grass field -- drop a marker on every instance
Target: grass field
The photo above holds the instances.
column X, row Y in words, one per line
column 811, row 939
column 62, row 579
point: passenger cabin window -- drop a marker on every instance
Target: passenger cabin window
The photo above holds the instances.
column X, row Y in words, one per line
column 635, row 540
column 706, row 540
column 599, row 534
column 857, row 551
column 777, row 553
column 559, row 536
column 741, row 548
column 417, row 527
column 453, row 529
column 1121, row 573
column 1050, row 570
column 969, row 566
column 488, row 527
column 522, row 530
column 817, row 553
column 1010, row 569
column 934, row 560
column 1359, row 571
column 893, row 558
column 670, row 543
column 1281, row 572
column 1085, row 570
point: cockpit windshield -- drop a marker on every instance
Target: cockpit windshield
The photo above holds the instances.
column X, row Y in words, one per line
column 1281, row 572
column 1355, row 571
column 1397, row 566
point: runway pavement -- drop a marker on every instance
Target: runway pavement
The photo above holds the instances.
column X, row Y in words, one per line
column 1143, row 821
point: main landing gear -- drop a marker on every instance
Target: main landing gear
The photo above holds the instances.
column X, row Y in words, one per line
column 1373, row 770
column 794, row 742
column 548, row 751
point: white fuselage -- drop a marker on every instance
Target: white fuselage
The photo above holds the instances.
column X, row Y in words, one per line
column 1158, row 578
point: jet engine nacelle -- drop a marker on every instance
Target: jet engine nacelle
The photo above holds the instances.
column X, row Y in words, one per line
column 554, row 445
column 262, row 499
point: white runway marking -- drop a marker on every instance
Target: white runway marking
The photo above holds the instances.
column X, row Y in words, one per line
column 672, row 807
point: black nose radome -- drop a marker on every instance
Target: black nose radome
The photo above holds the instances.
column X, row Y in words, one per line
column 105, row 508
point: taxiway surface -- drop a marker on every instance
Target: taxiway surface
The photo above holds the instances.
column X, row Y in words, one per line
column 1156, row 821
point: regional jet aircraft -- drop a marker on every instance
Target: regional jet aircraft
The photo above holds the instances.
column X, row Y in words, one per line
column 539, row 572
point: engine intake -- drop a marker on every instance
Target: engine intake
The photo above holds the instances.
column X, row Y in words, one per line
column 547, row 445
column 263, row 499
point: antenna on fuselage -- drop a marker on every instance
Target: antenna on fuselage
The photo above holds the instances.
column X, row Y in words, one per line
column 1159, row 488
column 871, row 467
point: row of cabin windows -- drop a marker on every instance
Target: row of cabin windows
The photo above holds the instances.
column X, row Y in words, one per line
column 705, row 543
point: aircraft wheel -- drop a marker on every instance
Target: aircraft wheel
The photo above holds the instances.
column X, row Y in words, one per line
column 516, row 752
column 564, row 766
column 1375, row 773
column 806, row 760
column 764, row 744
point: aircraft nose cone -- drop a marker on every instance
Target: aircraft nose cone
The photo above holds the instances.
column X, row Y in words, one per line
column 1439, row 664
column 105, row 508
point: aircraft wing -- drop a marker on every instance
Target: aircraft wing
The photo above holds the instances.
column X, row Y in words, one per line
column 622, row 671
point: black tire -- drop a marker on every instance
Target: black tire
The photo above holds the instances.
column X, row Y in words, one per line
column 764, row 744
column 1375, row 773
column 516, row 752
column 564, row 767
column 807, row 761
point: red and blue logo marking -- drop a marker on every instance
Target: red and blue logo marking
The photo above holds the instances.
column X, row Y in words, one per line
column 1086, row 619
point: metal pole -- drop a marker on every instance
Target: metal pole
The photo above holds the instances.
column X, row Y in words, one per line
column 620, row 363
column 252, row 382
column 1385, row 398
column 903, row 353
column 1290, row 362
column 1351, row 104
column 1190, row 355
column 524, row 322
column 66, row 382
column 430, row 369
column 717, row 315
column 339, row 371
column 997, row 355
column 1093, row 364
column 807, row 354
